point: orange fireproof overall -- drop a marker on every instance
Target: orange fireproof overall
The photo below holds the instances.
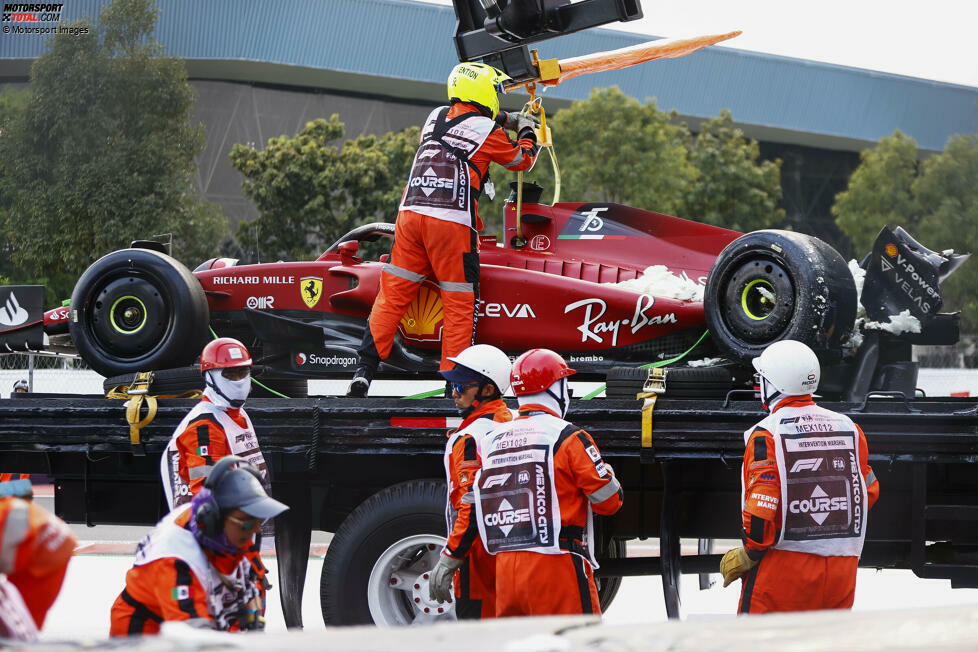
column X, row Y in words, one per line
column 786, row 580
column 475, row 580
column 534, row 584
column 427, row 246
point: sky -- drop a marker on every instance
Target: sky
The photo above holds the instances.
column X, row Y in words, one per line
column 930, row 39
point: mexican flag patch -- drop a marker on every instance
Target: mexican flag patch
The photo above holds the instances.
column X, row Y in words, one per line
column 203, row 451
column 181, row 592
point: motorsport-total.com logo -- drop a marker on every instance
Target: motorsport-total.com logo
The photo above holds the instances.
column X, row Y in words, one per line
column 31, row 13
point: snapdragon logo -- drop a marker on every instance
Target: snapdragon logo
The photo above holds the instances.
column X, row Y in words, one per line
column 315, row 359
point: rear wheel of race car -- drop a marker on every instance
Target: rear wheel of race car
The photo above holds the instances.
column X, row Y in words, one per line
column 775, row 285
column 137, row 310
column 375, row 566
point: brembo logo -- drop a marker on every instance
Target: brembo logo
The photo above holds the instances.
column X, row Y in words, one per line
column 429, row 181
column 819, row 506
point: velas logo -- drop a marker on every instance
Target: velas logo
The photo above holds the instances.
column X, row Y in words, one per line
column 31, row 12
column 300, row 358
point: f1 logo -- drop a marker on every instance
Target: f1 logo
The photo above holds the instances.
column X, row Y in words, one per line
column 808, row 464
column 496, row 480
column 593, row 222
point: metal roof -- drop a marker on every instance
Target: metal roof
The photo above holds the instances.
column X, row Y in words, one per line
column 404, row 49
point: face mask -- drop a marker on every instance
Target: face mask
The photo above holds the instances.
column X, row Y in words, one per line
column 770, row 396
column 560, row 393
column 230, row 393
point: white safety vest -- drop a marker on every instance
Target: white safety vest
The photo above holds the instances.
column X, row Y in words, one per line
column 477, row 429
column 227, row 595
column 823, row 493
column 516, row 494
column 241, row 441
column 440, row 184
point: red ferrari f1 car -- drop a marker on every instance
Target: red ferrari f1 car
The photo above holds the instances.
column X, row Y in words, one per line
column 554, row 283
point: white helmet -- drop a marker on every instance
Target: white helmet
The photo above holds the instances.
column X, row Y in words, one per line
column 485, row 360
column 790, row 367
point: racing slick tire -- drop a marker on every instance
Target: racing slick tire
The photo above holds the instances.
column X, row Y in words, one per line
column 165, row 381
column 138, row 310
column 376, row 563
column 773, row 285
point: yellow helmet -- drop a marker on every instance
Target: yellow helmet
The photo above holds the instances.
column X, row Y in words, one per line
column 477, row 83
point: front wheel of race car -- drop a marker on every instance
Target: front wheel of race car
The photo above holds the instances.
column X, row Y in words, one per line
column 137, row 310
column 774, row 285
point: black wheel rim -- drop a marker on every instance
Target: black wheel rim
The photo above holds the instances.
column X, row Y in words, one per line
column 130, row 316
column 758, row 300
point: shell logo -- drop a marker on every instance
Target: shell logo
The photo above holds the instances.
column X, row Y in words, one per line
column 424, row 315
column 891, row 250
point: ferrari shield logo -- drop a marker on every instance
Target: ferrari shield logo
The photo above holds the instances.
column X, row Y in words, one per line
column 311, row 288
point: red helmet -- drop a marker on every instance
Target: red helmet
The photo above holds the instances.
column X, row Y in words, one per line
column 536, row 370
column 224, row 352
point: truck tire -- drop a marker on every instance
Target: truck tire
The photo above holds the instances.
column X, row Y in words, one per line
column 776, row 285
column 608, row 586
column 376, row 564
column 137, row 310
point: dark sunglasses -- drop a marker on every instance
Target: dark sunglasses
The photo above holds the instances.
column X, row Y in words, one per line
column 459, row 388
column 248, row 525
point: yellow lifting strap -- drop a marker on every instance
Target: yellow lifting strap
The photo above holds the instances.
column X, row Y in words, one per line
column 647, row 407
column 138, row 395
column 654, row 385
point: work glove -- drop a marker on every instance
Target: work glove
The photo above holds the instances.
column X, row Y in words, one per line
column 440, row 583
column 735, row 564
column 516, row 121
column 252, row 620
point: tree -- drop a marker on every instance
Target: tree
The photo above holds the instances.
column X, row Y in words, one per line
column 733, row 190
column 879, row 191
column 313, row 188
column 947, row 200
column 614, row 149
column 935, row 201
column 103, row 152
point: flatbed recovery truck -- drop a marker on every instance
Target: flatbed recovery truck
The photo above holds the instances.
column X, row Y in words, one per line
column 370, row 471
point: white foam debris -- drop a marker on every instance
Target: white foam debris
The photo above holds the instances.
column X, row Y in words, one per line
column 859, row 277
column 705, row 362
column 897, row 324
column 658, row 281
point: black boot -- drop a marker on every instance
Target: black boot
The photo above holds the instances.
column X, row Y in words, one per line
column 361, row 381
